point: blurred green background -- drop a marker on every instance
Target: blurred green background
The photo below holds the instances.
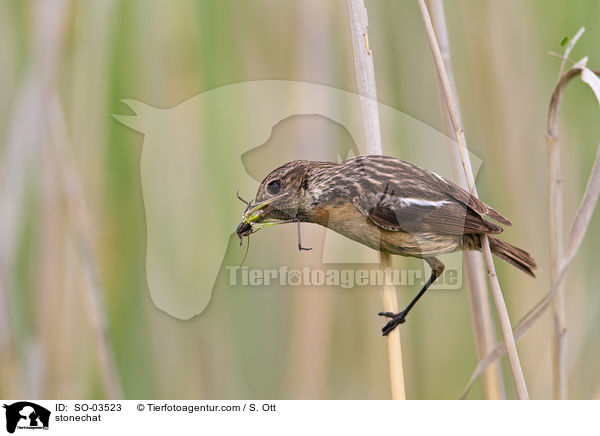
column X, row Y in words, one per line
column 288, row 343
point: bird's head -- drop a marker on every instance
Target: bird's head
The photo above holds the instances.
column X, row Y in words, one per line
column 279, row 199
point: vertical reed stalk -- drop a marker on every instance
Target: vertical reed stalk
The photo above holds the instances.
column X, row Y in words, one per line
column 559, row 331
column 365, row 78
column 52, row 24
column 78, row 214
column 582, row 217
column 509, row 339
column 483, row 323
column 574, row 239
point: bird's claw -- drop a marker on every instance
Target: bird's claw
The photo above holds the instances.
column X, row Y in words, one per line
column 397, row 319
column 301, row 248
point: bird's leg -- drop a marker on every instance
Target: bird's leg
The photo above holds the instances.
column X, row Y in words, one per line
column 300, row 247
column 437, row 268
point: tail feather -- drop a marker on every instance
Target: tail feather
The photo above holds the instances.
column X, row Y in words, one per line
column 505, row 251
column 513, row 255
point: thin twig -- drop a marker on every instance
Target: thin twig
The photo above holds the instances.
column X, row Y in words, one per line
column 365, row 78
column 559, row 331
column 561, row 57
column 509, row 340
column 483, row 323
column 568, row 49
column 578, row 228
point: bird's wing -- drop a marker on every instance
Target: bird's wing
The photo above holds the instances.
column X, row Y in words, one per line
column 415, row 215
column 468, row 199
column 398, row 196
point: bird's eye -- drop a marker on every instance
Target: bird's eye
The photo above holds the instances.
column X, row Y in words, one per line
column 274, row 187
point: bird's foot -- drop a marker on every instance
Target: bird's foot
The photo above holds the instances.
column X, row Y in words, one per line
column 301, row 248
column 397, row 319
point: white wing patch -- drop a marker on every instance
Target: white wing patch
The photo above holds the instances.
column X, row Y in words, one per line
column 406, row 202
column 438, row 176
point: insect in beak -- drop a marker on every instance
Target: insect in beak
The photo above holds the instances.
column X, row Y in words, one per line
column 244, row 229
column 252, row 214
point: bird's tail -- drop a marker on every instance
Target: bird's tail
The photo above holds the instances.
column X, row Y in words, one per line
column 507, row 252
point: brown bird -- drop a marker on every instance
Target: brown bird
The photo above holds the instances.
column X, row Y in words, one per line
column 386, row 204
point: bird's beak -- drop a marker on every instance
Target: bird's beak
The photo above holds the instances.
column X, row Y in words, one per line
column 251, row 219
column 252, row 214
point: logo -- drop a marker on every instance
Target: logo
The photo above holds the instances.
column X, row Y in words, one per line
column 26, row 415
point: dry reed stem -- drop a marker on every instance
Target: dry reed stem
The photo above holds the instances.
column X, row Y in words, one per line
column 61, row 149
column 483, row 323
column 20, row 160
column 509, row 340
column 559, row 331
column 580, row 222
column 568, row 49
column 365, row 78
column 51, row 25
